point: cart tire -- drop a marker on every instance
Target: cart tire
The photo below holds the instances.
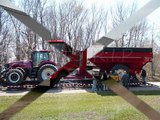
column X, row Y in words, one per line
column 119, row 67
column 102, row 75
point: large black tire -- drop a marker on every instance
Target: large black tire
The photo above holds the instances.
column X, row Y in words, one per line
column 119, row 70
column 134, row 81
column 45, row 71
column 102, row 75
column 14, row 77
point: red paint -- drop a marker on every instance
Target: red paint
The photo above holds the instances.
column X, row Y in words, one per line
column 133, row 58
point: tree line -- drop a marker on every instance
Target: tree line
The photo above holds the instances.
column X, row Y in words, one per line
column 76, row 24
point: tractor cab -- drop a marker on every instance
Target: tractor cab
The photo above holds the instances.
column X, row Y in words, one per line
column 39, row 56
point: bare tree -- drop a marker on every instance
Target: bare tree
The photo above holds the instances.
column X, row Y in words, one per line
column 94, row 28
column 75, row 23
column 35, row 8
column 5, row 37
column 136, row 35
column 17, row 29
column 155, row 65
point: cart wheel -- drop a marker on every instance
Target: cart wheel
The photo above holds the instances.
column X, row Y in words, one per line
column 119, row 68
column 102, row 75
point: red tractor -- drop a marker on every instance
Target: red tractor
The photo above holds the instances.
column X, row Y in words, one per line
column 39, row 67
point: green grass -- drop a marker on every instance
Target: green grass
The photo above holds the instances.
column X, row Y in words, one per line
column 82, row 106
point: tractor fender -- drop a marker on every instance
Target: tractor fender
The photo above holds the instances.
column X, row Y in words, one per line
column 46, row 62
column 19, row 68
column 23, row 72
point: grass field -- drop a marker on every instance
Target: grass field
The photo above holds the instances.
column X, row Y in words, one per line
column 82, row 106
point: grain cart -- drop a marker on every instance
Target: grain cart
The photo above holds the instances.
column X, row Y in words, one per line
column 108, row 59
column 114, row 60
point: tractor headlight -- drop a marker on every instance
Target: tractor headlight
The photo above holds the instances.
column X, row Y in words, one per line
column 4, row 67
column 4, row 70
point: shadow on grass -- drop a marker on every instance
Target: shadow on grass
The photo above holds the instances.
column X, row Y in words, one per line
column 111, row 93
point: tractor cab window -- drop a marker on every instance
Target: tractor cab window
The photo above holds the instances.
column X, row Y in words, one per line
column 38, row 57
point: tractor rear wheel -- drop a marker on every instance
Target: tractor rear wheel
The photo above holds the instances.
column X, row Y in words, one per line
column 45, row 72
column 14, row 77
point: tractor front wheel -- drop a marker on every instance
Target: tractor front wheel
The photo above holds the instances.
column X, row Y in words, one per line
column 14, row 77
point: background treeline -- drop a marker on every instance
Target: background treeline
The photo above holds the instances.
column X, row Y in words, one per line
column 75, row 23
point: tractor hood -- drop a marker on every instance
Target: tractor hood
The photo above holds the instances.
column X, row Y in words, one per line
column 22, row 64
